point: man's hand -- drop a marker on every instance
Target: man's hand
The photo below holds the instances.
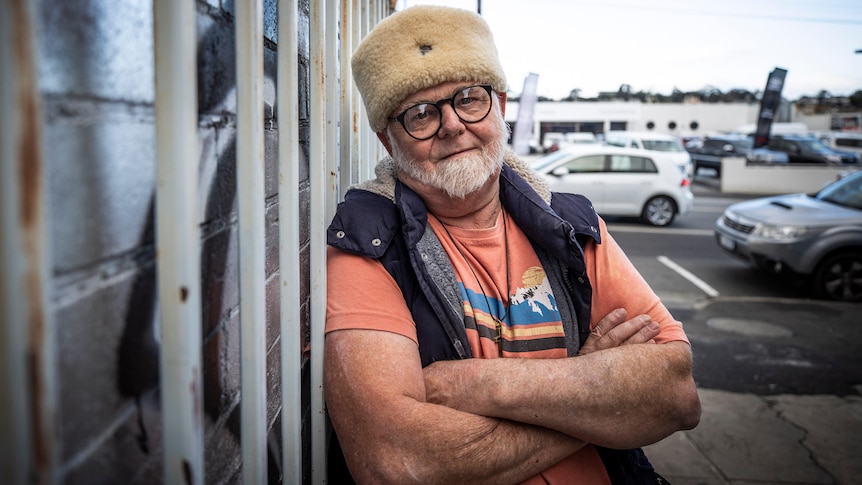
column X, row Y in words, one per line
column 614, row 330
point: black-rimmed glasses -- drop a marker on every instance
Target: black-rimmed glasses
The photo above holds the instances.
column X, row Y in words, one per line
column 422, row 121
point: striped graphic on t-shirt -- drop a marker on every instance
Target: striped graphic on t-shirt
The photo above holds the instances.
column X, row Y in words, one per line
column 529, row 322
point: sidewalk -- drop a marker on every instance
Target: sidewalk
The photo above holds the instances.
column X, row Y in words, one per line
column 752, row 439
column 748, row 439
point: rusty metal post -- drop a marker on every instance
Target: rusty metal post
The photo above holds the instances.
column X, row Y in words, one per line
column 349, row 168
column 28, row 375
column 178, row 241
column 320, row 152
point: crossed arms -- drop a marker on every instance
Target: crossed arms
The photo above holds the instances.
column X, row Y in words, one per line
column 501, row 420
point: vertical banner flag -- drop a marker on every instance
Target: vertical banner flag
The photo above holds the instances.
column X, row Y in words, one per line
column 769, row 106
column 524, row 123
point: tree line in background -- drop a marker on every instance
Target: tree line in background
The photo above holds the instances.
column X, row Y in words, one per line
column 823, row 102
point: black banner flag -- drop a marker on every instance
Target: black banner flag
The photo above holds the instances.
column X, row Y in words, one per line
column 768, row 106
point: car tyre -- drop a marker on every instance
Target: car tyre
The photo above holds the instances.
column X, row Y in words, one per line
column 839, row 277
column 659, row 211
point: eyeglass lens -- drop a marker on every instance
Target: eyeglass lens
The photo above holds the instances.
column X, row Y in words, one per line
column 471, row 104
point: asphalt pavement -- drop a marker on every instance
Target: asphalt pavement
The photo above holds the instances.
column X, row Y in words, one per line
column 761, row 438
column 803, row 426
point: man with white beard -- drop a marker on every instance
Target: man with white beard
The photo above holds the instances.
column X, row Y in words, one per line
column 481, row 329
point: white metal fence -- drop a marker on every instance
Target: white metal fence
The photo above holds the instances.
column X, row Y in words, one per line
column 342, row 152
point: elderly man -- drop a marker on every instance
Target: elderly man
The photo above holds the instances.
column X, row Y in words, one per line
column 481, row 329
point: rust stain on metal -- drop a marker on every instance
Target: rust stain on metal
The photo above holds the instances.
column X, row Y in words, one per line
column 30, row 160
column 29, row 165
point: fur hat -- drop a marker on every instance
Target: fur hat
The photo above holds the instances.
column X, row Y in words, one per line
column 420, row 47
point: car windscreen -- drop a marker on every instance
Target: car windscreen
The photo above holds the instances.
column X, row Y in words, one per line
column 846, row 192
column 663, row 145
column 549, row 160
column 815, row 145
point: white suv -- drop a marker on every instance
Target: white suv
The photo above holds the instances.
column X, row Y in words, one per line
column 657, row 142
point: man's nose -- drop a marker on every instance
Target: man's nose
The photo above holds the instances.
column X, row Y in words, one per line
column 450, row 122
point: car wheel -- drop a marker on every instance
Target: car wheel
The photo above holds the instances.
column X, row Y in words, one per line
column 659, row 211
column 839, row 277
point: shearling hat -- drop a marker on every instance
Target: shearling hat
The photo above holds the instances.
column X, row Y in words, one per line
column 420, row 47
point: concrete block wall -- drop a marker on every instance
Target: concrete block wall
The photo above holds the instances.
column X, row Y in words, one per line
column 95, row 63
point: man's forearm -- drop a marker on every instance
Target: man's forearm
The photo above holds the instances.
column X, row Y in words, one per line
column 622, row 397
column 389, row 433
column 448, row 446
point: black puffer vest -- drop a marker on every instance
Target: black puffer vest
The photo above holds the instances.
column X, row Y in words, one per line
column 395, row 233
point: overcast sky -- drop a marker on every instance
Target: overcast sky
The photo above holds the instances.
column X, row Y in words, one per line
column 659, row 45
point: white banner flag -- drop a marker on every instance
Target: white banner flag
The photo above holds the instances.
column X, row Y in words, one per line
column 524, row 123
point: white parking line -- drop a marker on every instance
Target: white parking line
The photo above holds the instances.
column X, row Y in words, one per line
column 612, row 228
column 689, row 276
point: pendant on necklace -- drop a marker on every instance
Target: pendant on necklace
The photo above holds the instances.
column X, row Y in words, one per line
column 498, row 339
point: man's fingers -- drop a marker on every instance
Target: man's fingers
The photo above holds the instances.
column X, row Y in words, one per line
column 638, row 330
column 611, row 320
column 614, row 330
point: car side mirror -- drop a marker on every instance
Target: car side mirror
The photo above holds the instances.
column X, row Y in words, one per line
column 560, row 171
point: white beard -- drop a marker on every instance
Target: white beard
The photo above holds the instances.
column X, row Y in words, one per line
column 462, row 176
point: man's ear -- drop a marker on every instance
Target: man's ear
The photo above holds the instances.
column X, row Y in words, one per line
column 381, row 135
column 502, row 98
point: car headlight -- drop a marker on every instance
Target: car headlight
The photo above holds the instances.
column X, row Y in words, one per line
column 779, row 232
column 833, row 158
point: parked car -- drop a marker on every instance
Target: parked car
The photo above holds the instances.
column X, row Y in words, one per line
column 807, row 149
column 551, row 141
column 620, row 181
column 708, row 152
column 841, row 140
column 655, row 142
column 816, row 236
column 573, row 138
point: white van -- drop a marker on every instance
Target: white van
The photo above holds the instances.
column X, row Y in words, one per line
column 841, row 140
column 656, row 142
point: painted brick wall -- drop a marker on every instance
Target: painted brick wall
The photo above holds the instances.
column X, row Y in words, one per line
column 95, row 61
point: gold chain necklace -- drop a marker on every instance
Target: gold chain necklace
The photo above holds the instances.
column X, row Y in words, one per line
column 498, row 321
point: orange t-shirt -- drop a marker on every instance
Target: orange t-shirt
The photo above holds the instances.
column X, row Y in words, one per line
column 525, row 323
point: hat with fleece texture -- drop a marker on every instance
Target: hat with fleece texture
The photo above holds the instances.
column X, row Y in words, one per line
column 420, row 47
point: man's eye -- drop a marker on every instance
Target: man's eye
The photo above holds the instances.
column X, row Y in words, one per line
column 420, row 113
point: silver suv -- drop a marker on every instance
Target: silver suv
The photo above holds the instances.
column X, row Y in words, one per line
column 817, row 236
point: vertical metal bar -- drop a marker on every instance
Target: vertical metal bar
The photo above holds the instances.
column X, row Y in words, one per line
column 178, row 240
column 319, row 152
column 369, row 19
column 354, row 32
column 357, row 126
column 288, row 216
column 250, row 183
column 27, row 330
column 349, row 168
column 333, row 105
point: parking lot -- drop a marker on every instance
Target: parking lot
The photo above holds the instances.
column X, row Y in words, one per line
column 779, row 373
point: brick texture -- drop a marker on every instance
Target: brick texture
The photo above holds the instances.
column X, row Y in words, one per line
column 96, row 71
